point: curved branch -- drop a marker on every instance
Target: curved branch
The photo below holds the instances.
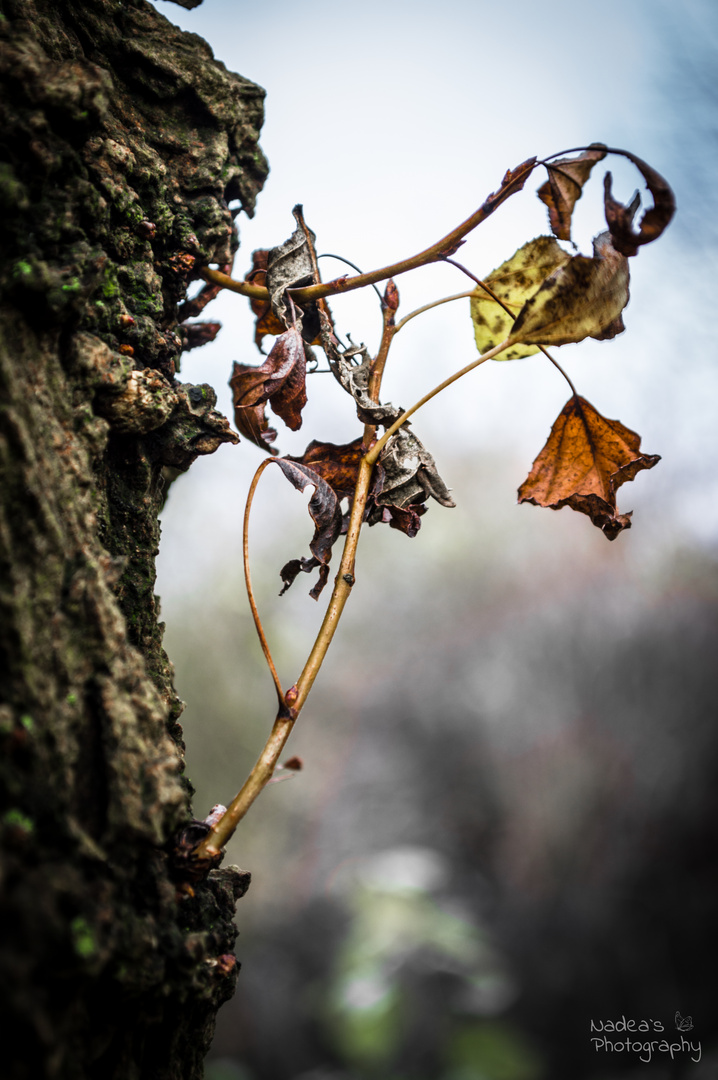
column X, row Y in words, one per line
column 248, row 582
column 434, row 253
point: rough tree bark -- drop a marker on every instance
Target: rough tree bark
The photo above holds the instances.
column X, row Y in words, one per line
column 122, row 141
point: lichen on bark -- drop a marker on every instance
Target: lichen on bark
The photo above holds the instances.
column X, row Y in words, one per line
column 123, row 142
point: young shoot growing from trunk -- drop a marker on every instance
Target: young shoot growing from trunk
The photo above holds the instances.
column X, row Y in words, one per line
column 543, row 295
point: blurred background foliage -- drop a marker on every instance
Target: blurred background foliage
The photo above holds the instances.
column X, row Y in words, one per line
column 506, row 825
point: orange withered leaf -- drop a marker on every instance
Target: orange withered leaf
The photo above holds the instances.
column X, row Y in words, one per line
column 584, row 462
column 338, row 465
column 564, row 187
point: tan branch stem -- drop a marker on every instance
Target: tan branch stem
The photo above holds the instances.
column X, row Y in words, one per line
column 428, row 307
column 377, row 448
column 434, row 253
column 509, row 312
column 248, row 582
column 262, row 772
column 291, row 704
column 260, row 775
column 245, row 288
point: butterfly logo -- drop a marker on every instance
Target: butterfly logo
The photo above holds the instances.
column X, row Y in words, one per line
column 683, row 1023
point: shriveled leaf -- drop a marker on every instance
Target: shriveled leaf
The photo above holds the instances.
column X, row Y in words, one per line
column 352, row 369
column 406, row 519
column 327, row 516
column 514, row 282
column 619, row 218
column 289, row 266
column 583, row 298
column 584, row 462
column 290, row 397
column 564, row 187
column 291, row 571
column 410, row 474
column 280, row 380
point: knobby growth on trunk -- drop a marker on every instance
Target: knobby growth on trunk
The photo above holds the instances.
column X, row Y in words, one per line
column 123, row 142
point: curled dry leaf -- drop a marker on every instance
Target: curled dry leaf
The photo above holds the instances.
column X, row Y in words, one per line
column 584, row 462
column 289, row 266
column 410, row 474
column 514, row 282
column 352, row 369
column 619, row 218
column 404, row 477
column 327, row 516
column 583, row 298
column 564, row 187
column 280, row 380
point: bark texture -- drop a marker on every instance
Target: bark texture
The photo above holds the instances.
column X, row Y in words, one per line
column 122, row 141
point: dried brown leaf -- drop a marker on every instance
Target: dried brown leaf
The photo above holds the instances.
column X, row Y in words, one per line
column 280, row 380
column 352, row 369
column 404, row 518
column 410, row 474
column 584, row 462
column 564, row 187
column 337, row 464
column 583, row 298
column 290, row 266
column 327, row 516
column 619, row 218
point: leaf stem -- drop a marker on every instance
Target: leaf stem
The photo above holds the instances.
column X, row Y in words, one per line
column 508, row 311
column 248, row 582
column 557, row 365
column 433, row 304
column 377, row 448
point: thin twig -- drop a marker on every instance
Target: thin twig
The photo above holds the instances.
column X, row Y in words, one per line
column 556, row 364
column 248, row 582
column 244, row 288
column 340, row 258
column 435, row 252
column 508, row 311
column 376, row 450
column 433, row 304
column 258, row 778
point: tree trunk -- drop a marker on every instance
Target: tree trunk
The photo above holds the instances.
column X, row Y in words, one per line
column 122, row 141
